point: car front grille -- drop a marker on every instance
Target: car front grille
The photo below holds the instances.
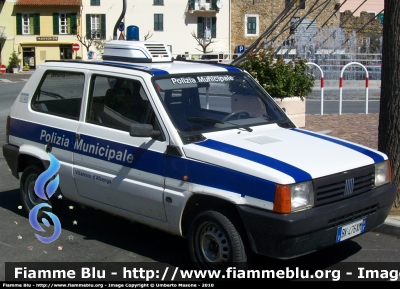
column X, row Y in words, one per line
column 343, row 185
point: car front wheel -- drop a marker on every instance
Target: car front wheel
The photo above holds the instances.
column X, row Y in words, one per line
column 28, row 194
column 215, row 242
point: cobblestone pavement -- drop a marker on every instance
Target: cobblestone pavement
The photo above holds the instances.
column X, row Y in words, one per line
column 358, row 128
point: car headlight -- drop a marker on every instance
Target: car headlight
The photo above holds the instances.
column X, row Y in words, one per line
column 383, row 173
column 294, row 197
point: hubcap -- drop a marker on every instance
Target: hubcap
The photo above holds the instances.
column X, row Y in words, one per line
column 214, row 244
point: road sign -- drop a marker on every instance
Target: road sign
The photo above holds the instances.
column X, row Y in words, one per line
column 380, row 17
column 75, row 46
column 240, row 49
column 90, row 54
column 3, row 69
column 121, row 26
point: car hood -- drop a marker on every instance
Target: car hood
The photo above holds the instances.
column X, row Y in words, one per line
column 281, row 155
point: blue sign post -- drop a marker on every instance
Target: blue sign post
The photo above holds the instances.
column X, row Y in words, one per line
column 90, row 54
column 240, row 49
column 121, row 26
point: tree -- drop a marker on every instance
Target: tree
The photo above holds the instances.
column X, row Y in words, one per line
column 203, row 42
column 389, row 116
column 148, row 35
column 99, row 44
column 280, row 78
column 86, row 42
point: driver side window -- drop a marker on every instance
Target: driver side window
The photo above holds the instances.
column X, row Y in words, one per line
column 118, row 103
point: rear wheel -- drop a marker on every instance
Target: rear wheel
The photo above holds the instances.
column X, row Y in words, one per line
column 215, row 243
column 28, row 195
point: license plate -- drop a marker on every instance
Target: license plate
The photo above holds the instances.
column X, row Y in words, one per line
column 350, row 230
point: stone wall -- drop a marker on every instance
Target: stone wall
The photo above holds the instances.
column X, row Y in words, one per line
column 372, row 29
column 268, row 11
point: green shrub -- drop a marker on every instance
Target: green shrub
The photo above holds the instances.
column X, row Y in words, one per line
column 279, row 78
column 13, row 61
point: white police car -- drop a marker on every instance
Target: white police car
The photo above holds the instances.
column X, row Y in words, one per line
column 195, row 149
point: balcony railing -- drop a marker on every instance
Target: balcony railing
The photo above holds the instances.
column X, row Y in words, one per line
column 3, row 34
column 203, row 5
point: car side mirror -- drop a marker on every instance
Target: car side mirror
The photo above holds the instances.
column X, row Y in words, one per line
column 143, row 130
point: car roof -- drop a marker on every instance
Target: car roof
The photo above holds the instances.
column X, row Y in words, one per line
column 147, row 56
column 156, row 69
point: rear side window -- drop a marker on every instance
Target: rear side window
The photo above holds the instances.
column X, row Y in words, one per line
column 60, row 93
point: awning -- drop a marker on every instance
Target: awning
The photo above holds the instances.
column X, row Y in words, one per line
column 39, row 43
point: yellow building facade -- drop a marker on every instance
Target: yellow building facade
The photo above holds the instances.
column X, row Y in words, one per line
column 45, row 30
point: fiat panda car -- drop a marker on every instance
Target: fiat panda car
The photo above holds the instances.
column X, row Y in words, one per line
column 199, row 150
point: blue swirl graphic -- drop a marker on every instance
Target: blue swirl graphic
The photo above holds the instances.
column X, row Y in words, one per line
column 45, row 176
column 35, row 224
column 50, row 190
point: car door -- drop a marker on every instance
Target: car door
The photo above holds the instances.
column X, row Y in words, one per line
column 56, row 106
column 111, row 168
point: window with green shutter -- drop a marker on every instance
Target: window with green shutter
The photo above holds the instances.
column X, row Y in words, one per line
column 64, row 23
column 95, row 2
column 72, row 24
column 158, row 2
column 251, row 25
column 301, row 3
column 55, row 24
column 18, row 23
column 36, row 24
column 158, row 22
column 28, row 23
column 200, row 27
column 207, row 27
column 102, row 26
column 95, row 26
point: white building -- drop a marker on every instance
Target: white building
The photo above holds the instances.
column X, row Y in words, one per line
column 169, row 21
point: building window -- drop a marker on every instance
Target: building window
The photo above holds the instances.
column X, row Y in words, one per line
column 95, row 2
column 28, row 23
column 158, row 22
column 95, row 26
column 206, row 27
column 301, row 3
column 251, row 22
column 158, row 2
column 64, row 23
column 294, row 22
column 251, row 25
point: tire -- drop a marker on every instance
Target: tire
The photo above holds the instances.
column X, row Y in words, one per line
column 29, row 197
column 215, row 242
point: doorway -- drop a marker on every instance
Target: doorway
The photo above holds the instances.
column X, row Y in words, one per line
column 66, row 52
column 28, row 56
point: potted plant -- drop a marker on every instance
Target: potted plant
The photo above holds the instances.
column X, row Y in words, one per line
column 13, row 62
column 287, row 81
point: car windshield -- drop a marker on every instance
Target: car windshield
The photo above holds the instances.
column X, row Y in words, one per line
column 211, row 102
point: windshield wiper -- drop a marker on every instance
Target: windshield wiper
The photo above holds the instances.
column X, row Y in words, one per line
column 204, row 120
column 245, row 127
